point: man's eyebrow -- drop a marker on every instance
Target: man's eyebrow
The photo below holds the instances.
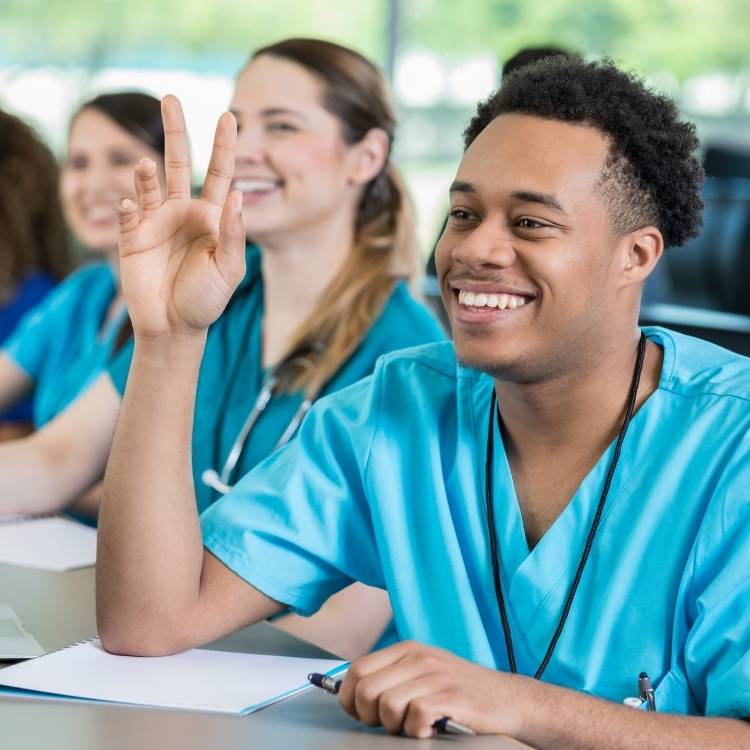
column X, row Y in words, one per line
column 459, row 186
column 546, row 199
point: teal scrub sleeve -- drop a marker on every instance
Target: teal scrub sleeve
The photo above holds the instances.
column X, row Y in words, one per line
column 715, row 621
column 119, row 367
column 298, row 526
column 29, row 343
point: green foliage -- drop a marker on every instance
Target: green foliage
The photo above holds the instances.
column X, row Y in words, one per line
column 217, row 34
column 684, row 36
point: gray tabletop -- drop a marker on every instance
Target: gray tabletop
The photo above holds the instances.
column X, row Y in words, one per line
column 58, row 609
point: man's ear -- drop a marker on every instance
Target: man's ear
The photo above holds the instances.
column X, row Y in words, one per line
column 642, row 250
column 370, row 155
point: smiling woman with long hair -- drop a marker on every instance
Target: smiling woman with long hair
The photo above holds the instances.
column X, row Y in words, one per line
column 34, row 252
column 305, row 310
column 64, row 343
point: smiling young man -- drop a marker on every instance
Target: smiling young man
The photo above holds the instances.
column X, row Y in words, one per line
column 560, row 495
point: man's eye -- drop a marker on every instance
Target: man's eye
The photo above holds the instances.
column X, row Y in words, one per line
column 530, row 224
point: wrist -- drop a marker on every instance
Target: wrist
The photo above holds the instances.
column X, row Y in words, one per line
column 526, row 700
column 170, row 350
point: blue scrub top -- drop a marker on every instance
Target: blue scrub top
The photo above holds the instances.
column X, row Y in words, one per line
column 231, row 375
column 32, row 289
column 385, row 484
column 61, row 345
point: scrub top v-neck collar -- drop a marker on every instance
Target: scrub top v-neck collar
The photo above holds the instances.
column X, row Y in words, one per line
column 536, row 581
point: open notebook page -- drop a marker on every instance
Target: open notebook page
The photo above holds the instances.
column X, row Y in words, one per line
column 196, row 680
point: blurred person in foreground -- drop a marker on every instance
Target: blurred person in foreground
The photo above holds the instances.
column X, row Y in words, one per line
column 557, row 494
column 34, row 252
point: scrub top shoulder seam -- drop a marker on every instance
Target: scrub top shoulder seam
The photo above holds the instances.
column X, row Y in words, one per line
column 706, row 394
column 378, row 386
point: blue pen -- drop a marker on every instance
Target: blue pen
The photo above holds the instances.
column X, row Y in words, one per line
column 446, row 725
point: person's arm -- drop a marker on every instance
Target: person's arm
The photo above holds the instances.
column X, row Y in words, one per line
column 180, row 261
column 409, row 686
column 14, row 382
column 46, row 471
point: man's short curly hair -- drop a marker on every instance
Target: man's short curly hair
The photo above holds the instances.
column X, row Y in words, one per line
column 652, row 175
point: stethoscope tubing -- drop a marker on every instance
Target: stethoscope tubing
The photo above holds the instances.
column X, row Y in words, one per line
column 220, row 482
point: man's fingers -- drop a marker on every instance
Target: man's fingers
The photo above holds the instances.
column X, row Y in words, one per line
column 424, row 710
column 147, row 186
column 176, row 148
column 394, row 703
column 369, row 675
column 221, row 165
column 230, row 249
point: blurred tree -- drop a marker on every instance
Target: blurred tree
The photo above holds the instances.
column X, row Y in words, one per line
column 684, row 36
column 213, row 35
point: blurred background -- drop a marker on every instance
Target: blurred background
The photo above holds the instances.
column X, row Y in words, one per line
column 441, row 56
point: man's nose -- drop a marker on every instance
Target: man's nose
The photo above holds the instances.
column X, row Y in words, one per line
column 489, row 244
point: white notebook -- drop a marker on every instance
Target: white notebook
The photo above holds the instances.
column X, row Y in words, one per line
column 196, row 680
column 47, row 543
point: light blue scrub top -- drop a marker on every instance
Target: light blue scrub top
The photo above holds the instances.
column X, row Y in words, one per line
column 61, row 345
column 31, row 290
column 385, row 484
column 231, row 375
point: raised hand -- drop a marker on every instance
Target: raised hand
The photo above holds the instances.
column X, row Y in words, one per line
column 182, row 258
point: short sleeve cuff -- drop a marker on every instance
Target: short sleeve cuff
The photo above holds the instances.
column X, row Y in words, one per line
column 260, row 578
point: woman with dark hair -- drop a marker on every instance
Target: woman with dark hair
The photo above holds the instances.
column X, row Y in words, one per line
column 34, row 252
column 305, row 311
column 65, row 342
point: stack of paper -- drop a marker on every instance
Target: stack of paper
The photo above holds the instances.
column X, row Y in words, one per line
column 46, row 543
column 196, row 680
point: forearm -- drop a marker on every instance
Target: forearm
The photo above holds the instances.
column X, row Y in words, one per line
column 150, row 551
column 48, row 470
column 566, row 720
column 36, row 478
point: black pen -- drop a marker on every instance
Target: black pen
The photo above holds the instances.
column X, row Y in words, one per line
column 446, row 725
column 329, row 684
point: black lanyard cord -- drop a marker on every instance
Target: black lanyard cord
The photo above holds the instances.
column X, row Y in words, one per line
column 494, row 414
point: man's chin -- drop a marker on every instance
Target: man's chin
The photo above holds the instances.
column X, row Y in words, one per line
column 497, row 367
column 505, row 366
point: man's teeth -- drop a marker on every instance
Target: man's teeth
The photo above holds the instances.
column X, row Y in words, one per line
column 255, row 186
column 501, row 301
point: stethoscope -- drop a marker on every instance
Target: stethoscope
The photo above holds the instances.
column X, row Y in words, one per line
column 220, row 482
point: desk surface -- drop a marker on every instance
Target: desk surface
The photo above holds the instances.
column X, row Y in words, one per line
column 58, row 609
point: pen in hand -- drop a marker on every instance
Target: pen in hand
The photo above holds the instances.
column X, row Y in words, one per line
column 446, row 725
